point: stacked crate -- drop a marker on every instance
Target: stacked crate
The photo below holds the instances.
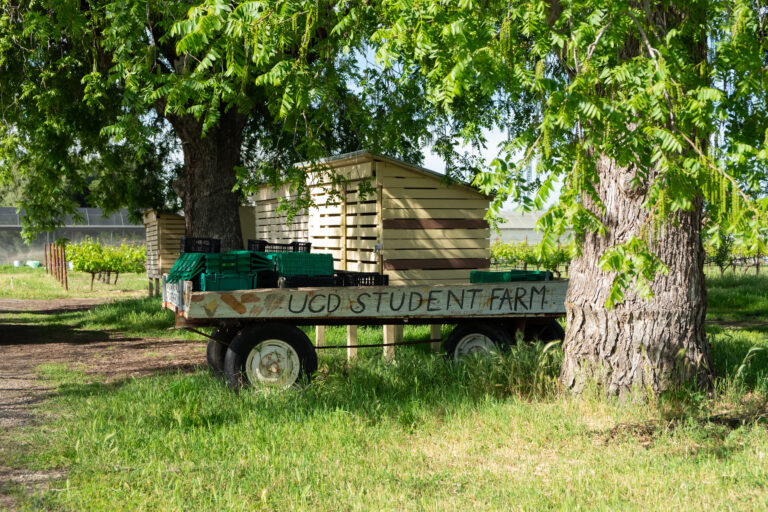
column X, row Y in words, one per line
column 233, row 270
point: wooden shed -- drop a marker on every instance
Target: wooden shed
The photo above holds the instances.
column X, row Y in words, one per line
column 411, row 224
column 164, row 232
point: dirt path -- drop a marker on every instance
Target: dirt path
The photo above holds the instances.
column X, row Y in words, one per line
column 23, row 347
column 50, row 306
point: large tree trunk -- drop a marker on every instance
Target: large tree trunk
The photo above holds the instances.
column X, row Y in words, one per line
column 644, row 345
column 211, row 208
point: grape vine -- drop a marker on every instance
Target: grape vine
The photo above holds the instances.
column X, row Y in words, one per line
column 102, row 261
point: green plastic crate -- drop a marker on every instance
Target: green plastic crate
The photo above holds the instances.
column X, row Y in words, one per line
column 304, row 264
column 237, row 262
column 228, row 262
column 261, row 261
column 484, row 276
column 221, row 282
column 187, row 267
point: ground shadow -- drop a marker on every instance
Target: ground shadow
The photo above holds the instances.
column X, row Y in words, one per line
column 23, row 334
column 52, row 311
column 50, row 307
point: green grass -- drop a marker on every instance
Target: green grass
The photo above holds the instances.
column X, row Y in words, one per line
column 34, row 283
column 736, row 298
column 417, row 434
column 142, row 317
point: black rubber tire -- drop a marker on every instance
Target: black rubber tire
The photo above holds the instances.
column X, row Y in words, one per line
column 216, row 350
column 548, row 330
column 252, row 336
column 495, row 331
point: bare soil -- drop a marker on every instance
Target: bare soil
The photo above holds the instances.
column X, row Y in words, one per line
column 51, row 306
column 110, row 355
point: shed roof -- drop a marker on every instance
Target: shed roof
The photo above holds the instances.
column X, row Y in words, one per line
column 355, row 156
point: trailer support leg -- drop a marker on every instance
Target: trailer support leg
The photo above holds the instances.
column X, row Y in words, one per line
column 436, row 337
column 319, row 335
column 392, row 334
column 351, row 342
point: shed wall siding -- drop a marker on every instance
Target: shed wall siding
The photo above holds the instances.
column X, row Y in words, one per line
column 163, row 238
column 430, row 231
column 433, row 232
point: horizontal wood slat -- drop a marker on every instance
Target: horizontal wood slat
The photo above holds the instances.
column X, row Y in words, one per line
column 435, row 224
column 434, row 213
column 410, row 234
column 432, row 275
column 411, row 182
column 436, row 264
column 324, row 243
column 434, row 203
column 413, row 281
column 355, row 266
column 427, row 193
column 391, row 170
column 438, row 243
column 389, row 254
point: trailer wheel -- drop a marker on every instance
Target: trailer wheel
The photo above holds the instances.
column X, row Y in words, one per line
column 269, row 355
column 217, row 349
column 548, row 330
column 476, row 338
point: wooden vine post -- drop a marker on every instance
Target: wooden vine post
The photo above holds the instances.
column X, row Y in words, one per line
column 56, row 263
column 64, row 267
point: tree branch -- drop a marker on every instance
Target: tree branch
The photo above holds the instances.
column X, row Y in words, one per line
column 651, row 51
column 591, row 47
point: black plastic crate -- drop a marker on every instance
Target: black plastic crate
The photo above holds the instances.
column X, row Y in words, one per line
column 347, row 278
column 266, row 246
column 257, row 245
column 311, row 281
column 207, row 245
column 267, row 278
column 301, row 246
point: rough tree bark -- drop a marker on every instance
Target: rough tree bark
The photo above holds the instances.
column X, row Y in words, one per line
column 647, row 345
column 211, row 208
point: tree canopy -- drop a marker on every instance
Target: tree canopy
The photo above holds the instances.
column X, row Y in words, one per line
column 651, row 116
column 102, row 98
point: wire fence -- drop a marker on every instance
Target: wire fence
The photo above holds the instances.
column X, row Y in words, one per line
column 737, row 265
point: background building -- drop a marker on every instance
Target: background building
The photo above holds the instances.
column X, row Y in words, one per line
column 113, row 229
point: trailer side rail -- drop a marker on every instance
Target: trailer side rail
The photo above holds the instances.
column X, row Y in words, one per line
column 368, row 305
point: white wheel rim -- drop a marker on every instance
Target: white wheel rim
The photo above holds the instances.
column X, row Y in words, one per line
column 474, row 344
column 273, row 363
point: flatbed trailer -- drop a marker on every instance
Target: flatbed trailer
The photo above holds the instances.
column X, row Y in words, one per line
column 256, row 340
